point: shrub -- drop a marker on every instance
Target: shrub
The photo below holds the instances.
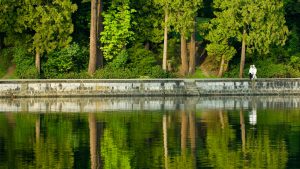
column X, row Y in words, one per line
column 25, row 64
column 141, row 60
column 114, row 73
column 71, row 59
column 6, row 58
column 267, row 69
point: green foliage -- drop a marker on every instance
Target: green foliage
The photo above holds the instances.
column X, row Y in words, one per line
column 220, row 50
column 117, row 29
column 266, row 68
column 136, row 62
column 51, row 22
column 24, row 61
column 174, row 53
column 114, row 73
column 120, row 61
column 149, row 18
column 6, row 56
column 183, row 14
column 295, row 61
column 141, row 60
column 71, row 59
column 199, row 74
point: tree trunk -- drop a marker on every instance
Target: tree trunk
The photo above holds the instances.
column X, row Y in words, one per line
column 243, row 131
column 38, row 61
column 93, row 38
column 183, row 131
column 93, row 140
column 165, row 135
column 184, row 60
column 243, row 54
column 165, row 54
column 192, row 123
column 221, row 70
column 147, row 45
column 193, row 51
column 99, row 59
column 37, row 128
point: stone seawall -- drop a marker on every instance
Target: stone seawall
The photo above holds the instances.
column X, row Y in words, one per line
column 148, row 87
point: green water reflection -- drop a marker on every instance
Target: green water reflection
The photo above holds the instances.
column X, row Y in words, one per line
column 266, row 138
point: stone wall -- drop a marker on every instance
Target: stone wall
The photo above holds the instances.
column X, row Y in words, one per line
column 149, row 87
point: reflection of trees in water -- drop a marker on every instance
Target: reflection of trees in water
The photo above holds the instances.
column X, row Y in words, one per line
column 114, row 146
column 255, row 151
column 148, row 140
column 186, row 157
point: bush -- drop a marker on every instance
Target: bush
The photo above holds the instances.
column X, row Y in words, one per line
column 137, row 62
column 141, row 60
column 267, row 69
column 73, row 75
column 114, row 73
column 25, row 64
column 68, row 60
column 6, row 60
column 158, row 72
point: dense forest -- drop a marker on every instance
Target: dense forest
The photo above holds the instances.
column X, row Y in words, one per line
column 149, row 39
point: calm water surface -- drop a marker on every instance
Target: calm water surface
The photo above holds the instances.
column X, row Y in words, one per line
column 150, row 133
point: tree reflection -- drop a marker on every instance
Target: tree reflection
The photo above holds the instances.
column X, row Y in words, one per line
column 186, row 139
column 256, row 151
column 93, row 141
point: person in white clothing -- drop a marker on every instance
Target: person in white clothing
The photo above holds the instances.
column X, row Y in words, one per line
column 251, row 72
column 254, row 70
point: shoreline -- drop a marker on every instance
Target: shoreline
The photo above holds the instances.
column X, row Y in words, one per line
column 27, row 88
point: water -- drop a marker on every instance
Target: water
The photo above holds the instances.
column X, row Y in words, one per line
column 150, row 133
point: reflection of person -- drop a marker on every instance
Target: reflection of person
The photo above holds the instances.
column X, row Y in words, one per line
column 253, row 117
column 254, row 70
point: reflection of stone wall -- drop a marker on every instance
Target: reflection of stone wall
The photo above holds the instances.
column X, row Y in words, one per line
column 166, row 87
column 144, row 103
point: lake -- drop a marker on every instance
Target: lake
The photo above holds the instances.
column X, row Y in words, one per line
column 150, row 132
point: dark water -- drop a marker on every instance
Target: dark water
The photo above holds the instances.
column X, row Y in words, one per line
column 150, row 133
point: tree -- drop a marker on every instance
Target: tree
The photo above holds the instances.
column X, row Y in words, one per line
column 96, row 57
column 148, row 18
column 222, row 53
column 93, row 38
column 193, row 50
column 166, row 7
column 51, row 23
column 182, row 17
column 117, row 31
column 257, row 24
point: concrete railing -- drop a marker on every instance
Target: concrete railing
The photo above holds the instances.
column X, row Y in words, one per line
column 148, row 87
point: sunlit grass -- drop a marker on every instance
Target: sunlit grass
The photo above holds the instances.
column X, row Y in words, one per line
column 200, row 74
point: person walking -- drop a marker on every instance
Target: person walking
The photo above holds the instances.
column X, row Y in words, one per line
column 250, row 72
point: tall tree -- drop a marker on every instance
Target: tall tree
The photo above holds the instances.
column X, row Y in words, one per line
column 165, row 4
column 193, row 50
column 51, row 23
column 93, row 38
column 96, row 27
column 257, row 24
column 182, row 17
column 148, row 18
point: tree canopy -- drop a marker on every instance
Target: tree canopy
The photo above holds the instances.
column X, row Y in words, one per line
column 221, row 37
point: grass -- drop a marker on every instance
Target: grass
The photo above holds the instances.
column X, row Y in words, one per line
column 199, row 74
